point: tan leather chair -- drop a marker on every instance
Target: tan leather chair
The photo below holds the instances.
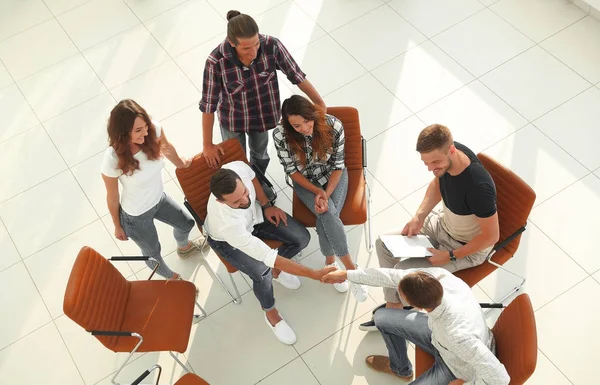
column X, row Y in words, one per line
column 516, row 342
column 195, row 183
column 129, row 316
column 357, row 207
column 514, row 203
column 188, row 379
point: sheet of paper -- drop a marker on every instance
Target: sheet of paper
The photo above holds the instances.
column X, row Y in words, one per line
column 407, row 247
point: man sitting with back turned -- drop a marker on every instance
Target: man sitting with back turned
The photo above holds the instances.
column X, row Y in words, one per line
column 466, row 229
column 452, row 329
column 235, row 222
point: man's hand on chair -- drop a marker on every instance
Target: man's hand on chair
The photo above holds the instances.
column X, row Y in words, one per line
column 211, row 155
column 275, row 215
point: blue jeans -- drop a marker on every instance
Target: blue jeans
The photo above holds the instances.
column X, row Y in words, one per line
column 399, row 325
column 258, row 143
column 294, row 236
column 332, row 235
column 142, row 231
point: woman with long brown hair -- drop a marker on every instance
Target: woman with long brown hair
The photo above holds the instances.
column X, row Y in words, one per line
column 135, row 158
column 310, row 147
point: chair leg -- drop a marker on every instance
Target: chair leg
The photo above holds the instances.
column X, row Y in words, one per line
column 514, row 289
column 114, row 378
column 199, row 317
column 187, row 369
column 237, row 299
column 368, row 229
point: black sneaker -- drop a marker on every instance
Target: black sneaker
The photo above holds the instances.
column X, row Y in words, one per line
column 368, row 326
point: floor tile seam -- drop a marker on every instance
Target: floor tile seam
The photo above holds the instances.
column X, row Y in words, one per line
column 28, row 28
column 65, row 11
column 25, row 335
column 383, row 3
column 337, row 329
column 279, row 368
column 58, row 240
column 558, row 144
column 556, row 366
column 538, row 226
column 515, row 27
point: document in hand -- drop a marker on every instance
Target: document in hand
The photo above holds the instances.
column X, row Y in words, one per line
column 407, row 247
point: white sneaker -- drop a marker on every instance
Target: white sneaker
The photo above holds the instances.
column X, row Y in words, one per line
column 340, row 287
column 288, row 281
column 360, row 292
column 282, row 331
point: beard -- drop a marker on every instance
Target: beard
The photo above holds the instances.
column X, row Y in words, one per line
column 246, row 206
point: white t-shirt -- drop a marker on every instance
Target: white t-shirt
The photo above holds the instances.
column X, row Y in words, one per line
column 235, row 226
column 142, row 189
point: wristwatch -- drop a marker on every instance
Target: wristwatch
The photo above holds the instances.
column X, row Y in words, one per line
column 452, row 257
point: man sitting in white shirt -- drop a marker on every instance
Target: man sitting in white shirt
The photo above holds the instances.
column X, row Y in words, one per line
column 452, row 329
column 235, row 223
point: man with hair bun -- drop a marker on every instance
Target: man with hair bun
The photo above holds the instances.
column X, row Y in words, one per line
column 240, row 84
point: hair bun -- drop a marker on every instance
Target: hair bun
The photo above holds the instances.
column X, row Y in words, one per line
column 233, row 13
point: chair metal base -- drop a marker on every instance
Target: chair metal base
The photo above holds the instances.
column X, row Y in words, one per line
column 514, row 290
column 237, row 299
column 368, row 228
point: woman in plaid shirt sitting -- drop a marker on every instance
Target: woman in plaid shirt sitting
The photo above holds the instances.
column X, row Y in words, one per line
column 310, row 147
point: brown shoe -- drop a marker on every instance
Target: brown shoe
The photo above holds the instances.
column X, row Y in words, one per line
column 382, row 364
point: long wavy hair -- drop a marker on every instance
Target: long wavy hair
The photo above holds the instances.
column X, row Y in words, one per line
column 120, row 126
column 322, row 137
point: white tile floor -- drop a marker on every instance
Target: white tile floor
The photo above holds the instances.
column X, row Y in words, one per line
column 517, row 79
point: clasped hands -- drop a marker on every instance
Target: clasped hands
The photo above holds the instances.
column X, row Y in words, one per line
column 321, row 202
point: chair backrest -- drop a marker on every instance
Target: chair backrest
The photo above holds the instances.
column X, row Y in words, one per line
column 516, row 339
column 353, row 145
column 195, row 180
column 96, row 295
column 514, row 201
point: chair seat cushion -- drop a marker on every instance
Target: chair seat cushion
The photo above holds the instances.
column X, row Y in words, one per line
column 161, row 312
column 191, row 379
column 355, row 206
column 423, row 361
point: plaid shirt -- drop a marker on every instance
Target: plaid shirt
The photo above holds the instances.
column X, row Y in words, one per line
column 317, row 171
column 247, row 98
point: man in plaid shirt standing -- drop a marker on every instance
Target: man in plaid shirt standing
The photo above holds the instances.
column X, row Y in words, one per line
column 240, row 83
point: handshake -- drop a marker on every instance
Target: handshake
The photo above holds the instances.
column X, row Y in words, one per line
column 329, row 274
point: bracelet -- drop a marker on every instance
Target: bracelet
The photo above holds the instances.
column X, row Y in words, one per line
column 268, row 204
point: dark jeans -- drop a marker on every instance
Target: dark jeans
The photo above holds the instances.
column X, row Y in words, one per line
column 258, row 143
column 399, row 325
column 294, row 236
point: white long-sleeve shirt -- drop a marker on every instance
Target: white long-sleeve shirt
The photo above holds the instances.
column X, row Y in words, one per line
column 235, row 226
column 458, row 328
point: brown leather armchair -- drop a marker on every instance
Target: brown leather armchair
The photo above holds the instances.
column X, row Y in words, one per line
column 357, row 207
column 129, row 316
column 195, row 183
column 514, row 203
column 516, row 342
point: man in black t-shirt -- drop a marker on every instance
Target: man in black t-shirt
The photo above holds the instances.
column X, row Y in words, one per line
column 466, row 229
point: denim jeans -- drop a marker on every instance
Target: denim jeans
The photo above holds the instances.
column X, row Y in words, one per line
column 294, row 236
column 332, row 235
column 142, row 231
column 399, row 325
column 258, row 143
